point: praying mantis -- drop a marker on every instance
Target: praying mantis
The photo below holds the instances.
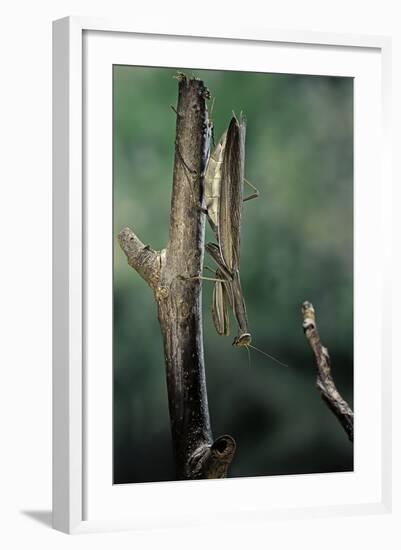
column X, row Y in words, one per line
column 224, row 182
column 224, row 179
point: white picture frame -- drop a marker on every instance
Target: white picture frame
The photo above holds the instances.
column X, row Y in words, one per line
column 80, row 45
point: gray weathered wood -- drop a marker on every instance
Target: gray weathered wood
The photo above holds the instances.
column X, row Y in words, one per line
column 325, row 381
column 170, row 273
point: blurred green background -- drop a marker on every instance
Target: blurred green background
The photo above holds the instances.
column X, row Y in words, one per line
column 296, row 245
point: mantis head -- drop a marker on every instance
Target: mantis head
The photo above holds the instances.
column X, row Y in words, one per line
column 243, row 340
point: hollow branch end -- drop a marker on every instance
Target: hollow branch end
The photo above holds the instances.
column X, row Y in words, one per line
column 212, row 461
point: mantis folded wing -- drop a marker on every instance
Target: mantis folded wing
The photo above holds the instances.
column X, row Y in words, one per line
column 221, row 295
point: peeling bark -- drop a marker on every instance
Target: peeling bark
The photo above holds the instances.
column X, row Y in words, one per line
column 325, row 382
column 170, row 274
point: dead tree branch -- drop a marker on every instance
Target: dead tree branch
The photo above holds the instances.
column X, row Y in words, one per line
column 324, row 381
column 170, row 274
column 145, row 261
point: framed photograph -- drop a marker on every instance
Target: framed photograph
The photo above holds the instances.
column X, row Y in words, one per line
column 220, row 226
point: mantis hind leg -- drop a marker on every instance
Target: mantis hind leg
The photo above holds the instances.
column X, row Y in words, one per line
column 189, row 169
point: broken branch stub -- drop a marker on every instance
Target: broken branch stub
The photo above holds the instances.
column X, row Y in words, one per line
column 325, row 382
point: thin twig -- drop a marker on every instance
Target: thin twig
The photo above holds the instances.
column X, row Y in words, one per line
column 324, row 381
